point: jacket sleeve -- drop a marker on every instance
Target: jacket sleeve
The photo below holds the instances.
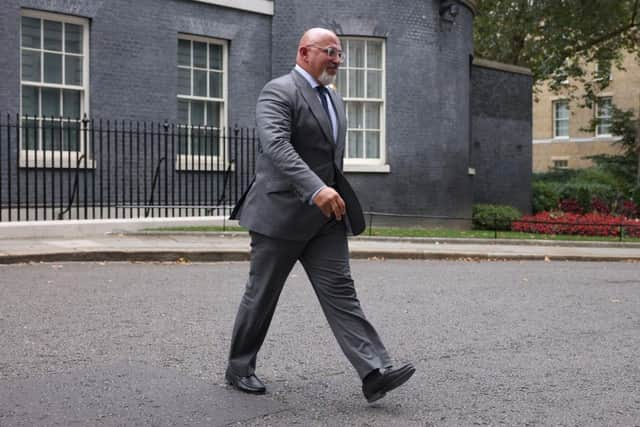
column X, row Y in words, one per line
column 274, row 116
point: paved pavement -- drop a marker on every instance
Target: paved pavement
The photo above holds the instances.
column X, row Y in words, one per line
column 130, row 344
column 211, row 247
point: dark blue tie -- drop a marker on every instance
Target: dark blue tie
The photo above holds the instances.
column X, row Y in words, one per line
column 321, row 91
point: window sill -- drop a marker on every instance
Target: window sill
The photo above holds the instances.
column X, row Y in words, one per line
column 367, row 168
column 55, row 160
column 203, row 164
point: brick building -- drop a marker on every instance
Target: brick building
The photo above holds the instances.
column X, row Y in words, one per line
column 560, row 135
column 423, row 138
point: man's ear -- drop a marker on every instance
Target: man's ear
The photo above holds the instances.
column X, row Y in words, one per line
column 303, row 52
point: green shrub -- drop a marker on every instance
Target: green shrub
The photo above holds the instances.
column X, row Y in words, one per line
column 635, row 195
column 545, row 196
column 584, row 192
column 494, row 217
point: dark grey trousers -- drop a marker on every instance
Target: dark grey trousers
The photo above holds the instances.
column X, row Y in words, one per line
column 325, row 259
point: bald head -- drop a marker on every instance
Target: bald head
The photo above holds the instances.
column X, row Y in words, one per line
column 313, row 56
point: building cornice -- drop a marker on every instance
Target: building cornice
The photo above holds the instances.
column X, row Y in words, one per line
column 264, row 7
column 485, row 63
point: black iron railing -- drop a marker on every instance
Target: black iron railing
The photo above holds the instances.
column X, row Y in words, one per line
column 59, row 168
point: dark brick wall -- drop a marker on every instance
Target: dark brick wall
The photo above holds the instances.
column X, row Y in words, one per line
column 501, row 134
column 133, row 55
column 427, row 97
column 133, row 71
column 428, row 85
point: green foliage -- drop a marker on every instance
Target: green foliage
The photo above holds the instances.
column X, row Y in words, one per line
column 556, row 38
column 545, row 196
column 494, row 217
column 584, row 192
column 555, row 176
column 624, row 167
column 582, row 185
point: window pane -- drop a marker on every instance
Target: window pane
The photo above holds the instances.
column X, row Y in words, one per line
column 71, row 104
column 73, row 38
column 50, row 102
column 31, row 32
column 71, row 136
column 29, row 101
column 356, row 83
column 199, row 54
column 354, row 115
column 197, row 113
column 372, row 114
column 604, row 129
column 198, row 141
column 341, row 82
column 184, row 52
column 183, row 112
column 73, row 70
column 562, row 110
column 562, row 128
column 604, row 108
column 372, row 142
column 199, row 83
column 30, row 65
column 51, row 134
column 30, row 134
column 52, row 68
column 215, row 84
column 213, row 114
column 355, row 144
column 53, row 35
column 374, row 84
column 374, row 54
column 355, row 55
column 184, row 81
column 211, row 147
column 215, row 57
column 183, row 133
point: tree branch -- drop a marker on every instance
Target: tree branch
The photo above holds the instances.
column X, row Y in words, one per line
column 613, row 34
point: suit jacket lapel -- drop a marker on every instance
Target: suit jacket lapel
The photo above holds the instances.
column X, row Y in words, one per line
column 310, row 96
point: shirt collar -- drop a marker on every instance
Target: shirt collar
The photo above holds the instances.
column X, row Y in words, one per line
column 308, row 77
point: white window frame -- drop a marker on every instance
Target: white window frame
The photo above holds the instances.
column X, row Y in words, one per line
column 359, row 164
column 560, row 159
column 555, row 119
column 199, row 162
column 40, row 158
column 598, row 116
column 599, row 79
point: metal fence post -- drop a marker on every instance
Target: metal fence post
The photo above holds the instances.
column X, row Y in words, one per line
column 165, row 125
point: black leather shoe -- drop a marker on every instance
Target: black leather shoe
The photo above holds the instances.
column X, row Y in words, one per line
column 378, row 383
column 250, row 384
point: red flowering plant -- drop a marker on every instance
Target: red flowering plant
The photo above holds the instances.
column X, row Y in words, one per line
column 629, row 209
column 591, row 224
column 570, row 206
column 600, row 206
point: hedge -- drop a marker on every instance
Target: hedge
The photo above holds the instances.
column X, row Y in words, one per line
column 494, row 217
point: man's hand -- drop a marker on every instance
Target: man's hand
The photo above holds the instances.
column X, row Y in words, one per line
column 330, row 202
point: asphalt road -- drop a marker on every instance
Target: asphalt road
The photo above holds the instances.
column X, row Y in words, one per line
column 495, row 343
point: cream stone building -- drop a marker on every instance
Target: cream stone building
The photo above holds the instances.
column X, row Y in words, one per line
column 560, row 138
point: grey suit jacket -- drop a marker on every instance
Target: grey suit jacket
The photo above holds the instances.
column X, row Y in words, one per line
column 297, row 156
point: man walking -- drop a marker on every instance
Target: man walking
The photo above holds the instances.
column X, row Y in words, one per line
column 300, row 207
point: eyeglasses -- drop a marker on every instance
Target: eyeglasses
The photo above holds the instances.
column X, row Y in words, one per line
column 332, row 52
